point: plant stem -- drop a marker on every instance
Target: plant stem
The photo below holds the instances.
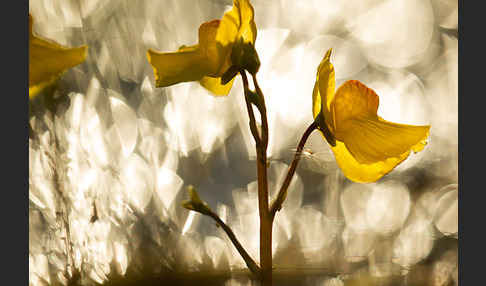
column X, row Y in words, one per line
column 261, row 152
column 266, row 220
column 248, row 260
column 263, row 112
column 282, row 193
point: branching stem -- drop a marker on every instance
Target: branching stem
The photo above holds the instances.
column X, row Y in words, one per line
column 282, row 193
column 261, row 140
column 266, row 214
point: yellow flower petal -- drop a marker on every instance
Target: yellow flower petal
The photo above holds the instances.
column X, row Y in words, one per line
column 324, row 89
column 363, row 173
column 316, row 100
column 370, row 148
column 248, row 30
column 371, row 140
column 214, row 85
column 238, row 23
column 188, row 63
column 176, row 67
column 48, row 60
column 323, row 94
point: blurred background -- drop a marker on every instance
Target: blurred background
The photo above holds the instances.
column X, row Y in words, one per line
column 111, row 156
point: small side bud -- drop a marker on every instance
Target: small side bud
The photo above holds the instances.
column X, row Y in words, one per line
column 195, row 203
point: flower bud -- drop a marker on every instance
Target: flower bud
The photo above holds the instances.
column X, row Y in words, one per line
column 195, row 203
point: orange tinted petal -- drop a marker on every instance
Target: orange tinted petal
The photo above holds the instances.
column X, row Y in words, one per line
column 352, row 100
column 218, row 55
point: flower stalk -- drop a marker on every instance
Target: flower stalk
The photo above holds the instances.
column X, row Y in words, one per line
column 254, row 268
column 266, row 220
column 282, row 193
column 196, row 204
column 266, row 213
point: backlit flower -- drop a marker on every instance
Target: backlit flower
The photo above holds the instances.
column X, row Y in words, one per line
column 365, row 146
column 207, row 61
column 48, row 60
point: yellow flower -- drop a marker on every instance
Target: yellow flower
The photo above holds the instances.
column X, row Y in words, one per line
column 48, row 60
column 366, row 146
column 207, row 61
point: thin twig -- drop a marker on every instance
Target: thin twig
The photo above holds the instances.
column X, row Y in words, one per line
column 248, row 260
column 282, row 193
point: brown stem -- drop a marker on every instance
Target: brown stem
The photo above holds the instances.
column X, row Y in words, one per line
column 263, row 111
column 248, row 260
column 266, row 220
column 251, row 114
column 261, row 151
column 282, row 193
